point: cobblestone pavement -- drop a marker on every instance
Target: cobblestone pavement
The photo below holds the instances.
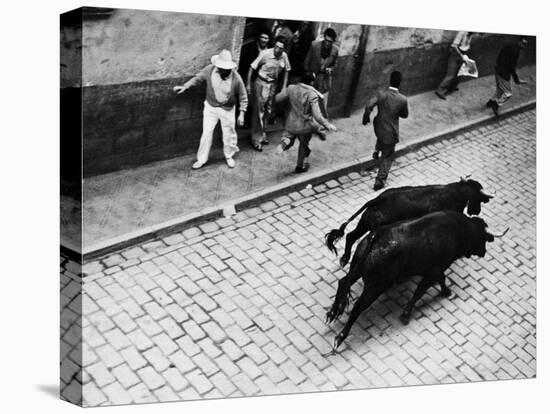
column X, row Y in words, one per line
column 236, row 307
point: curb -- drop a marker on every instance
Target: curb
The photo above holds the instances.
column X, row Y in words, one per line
column 182, row 222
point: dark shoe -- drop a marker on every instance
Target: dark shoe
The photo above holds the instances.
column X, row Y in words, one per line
column 440, row 95
column 322, row 135
column 489, row 103
column 378, row 185
column 494, row 107
column 257, row 147
column 451, row 91
column 375, row 155
column 264, row 142
column 301, row 169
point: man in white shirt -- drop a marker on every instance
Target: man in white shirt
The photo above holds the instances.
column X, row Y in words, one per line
column 459, row 48
column 268, row 66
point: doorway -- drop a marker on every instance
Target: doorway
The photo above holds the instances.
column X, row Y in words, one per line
column 299, row 35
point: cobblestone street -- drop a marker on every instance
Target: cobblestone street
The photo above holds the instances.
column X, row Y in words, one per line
column 236, row 307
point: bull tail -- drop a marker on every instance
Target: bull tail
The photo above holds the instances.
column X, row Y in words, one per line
column 336, row 234
column 341, row 299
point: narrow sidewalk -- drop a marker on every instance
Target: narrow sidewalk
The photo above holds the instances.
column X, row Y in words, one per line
column 132, row 204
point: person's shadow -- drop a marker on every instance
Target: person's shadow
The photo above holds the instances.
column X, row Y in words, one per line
column 50, row 389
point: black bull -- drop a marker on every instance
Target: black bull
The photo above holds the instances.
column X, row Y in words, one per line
column 404, row 203
column 426, row 246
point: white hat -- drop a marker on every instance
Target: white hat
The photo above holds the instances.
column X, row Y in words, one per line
column 223, row 60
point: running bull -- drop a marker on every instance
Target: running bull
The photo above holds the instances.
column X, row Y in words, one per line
column 406, row 203
column 425, row 246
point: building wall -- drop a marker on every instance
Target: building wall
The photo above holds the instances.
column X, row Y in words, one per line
column 131, row 60
column 348, row 44
column 421, row 55
column 137, row 45
column 71, row 132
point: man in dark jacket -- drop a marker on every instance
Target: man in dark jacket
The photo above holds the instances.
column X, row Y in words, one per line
column 251, row 50
column 321, row 60
column 391, row 106
column 505, row 69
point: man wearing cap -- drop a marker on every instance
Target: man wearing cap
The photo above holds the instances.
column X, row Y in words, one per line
column 268, row 67
column 321, row 59
column 224, row 88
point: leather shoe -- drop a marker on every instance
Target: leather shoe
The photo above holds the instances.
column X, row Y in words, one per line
column 301, row 169
column 494, row 107
column 257, row 147
column 440, row 95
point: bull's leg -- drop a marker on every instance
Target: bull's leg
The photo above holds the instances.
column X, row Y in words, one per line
column 369, row 295
column 361, row 229
column 422, row 287
column 445, row 291
column 342, row 296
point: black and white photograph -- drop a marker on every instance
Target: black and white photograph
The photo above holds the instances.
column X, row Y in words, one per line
column 269, row 206
column 247, row 207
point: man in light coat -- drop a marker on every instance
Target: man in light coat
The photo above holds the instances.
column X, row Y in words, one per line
column 305, row 117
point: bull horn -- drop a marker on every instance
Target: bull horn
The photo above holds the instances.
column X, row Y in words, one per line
column 465, row 178
column 487, row 195
column 501, row 234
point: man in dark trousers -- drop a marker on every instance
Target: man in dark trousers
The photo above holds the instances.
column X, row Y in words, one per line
column 391, row 106
column 458, row 55
column 505, row 69
column 305, row 117
column 321, row 60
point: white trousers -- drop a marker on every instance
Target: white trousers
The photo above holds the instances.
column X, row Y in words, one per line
column 210, row 117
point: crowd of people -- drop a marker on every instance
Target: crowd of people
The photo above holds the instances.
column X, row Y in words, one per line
column 290, row 68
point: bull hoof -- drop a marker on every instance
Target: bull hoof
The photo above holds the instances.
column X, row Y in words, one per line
column 448, row 293
column 338, row 339
column 405, row 319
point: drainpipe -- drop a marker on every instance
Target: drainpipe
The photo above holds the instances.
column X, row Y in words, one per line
column 358, row 59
